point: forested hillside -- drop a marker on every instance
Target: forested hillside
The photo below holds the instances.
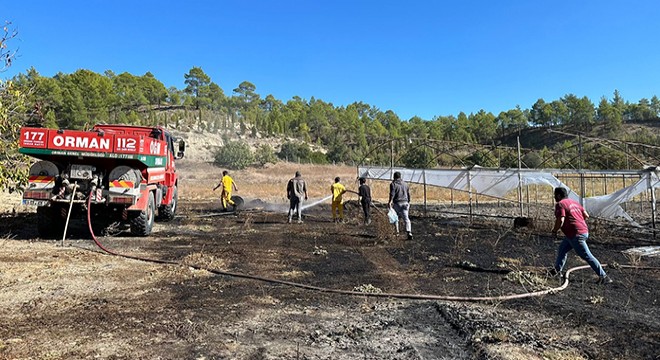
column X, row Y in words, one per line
column 552, row 133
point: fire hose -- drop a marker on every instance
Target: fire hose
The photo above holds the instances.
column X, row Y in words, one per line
column 563, row 286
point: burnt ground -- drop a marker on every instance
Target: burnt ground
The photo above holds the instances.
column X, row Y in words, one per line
column 77, row 302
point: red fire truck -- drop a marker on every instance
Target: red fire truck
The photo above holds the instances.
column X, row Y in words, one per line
column 112, row 174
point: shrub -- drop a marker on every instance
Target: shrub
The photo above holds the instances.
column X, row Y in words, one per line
column 317, row 157
column 419, row 158
column 234, row 155
column 482, row 158
column 264, row 155
column 295, row 152
column 532, row 160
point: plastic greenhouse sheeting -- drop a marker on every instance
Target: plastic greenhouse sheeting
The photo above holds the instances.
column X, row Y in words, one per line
column 499, row 182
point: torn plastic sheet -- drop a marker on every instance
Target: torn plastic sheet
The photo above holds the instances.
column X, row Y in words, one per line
column 650, row 251
column 499, row 182
column 608, row 206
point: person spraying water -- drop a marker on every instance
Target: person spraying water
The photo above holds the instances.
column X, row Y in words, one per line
column 296, row 191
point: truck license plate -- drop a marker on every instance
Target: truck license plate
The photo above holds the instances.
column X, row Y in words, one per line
column 35, row 202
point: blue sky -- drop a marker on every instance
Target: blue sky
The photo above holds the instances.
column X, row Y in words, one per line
column 424, row 58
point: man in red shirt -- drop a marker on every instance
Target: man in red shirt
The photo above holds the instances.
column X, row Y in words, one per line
column 571, row 219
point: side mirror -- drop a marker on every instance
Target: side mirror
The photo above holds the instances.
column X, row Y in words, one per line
column 182, row 149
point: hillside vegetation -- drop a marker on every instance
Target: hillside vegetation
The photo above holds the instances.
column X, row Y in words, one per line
column 569, row 132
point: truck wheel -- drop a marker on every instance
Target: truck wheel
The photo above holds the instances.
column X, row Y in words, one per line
column 50, row 224
column 143, row 221
column 166, row 212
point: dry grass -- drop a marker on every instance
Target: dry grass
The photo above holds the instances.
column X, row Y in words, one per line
column 507, row 351
column 269, row 183
column 203, row 259
column 596, row 299
column 634, row 259
column 10, row 202
column 508, row 263
column 569, row 354
column 368, row 288
column 297, row 274
column 527, row 279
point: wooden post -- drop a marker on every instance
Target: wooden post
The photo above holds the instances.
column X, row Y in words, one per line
column 68, row 215
column 425, row 204
column 451, row 195
column 536, row 195
column 625, row 204
column 527, row 193
column 520, row 202
column 593, row 189
column 582, row 185
column 652, row 189
column 476, row 200
column 469, row 185
column 642, row 198
column 391, row 154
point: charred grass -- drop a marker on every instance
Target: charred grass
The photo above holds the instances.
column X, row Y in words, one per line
column 75, row 302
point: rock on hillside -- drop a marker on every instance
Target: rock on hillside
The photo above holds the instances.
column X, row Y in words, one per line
column 201, row 145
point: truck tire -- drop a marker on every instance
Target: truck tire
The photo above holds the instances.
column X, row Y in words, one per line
column 166, row 212
column 50, row 224
column 143, row 221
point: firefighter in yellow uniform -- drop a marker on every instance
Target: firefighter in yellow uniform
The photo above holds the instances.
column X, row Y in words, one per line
column 337, row 190
column 228, row 185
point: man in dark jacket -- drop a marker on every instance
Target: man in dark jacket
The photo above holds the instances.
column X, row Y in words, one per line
column 296, row 189
column 364, row 194
column 400, row 202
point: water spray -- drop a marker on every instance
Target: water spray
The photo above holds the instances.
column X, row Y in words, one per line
column 315, row 203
